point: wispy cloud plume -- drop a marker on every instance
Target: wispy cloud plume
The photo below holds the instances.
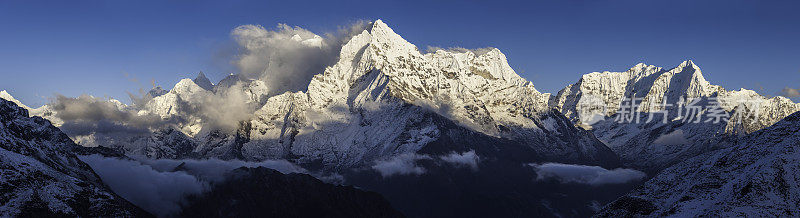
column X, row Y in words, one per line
column 287, row 57
column 790, row 92
column 476, row 51
column 226, row 108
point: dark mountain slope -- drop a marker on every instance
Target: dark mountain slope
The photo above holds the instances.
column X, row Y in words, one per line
column 41, row 176
column 263, row 192
column 757, row 175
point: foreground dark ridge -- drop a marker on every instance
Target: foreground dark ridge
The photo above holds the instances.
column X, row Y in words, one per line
column 263, row 192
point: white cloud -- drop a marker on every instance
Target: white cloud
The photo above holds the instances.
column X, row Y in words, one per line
column 477, row 51
column 226, row 108
column 591, row 175
column 86, row 108
column 286, row 58
column 674, row 138
column 468, row 158
column 214, row 169
column 92, row 121
column 790, row 92
column 403, row 164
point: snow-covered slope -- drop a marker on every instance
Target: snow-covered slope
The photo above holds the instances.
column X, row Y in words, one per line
column 41, row 176
column 652, row 146
column 757, row 175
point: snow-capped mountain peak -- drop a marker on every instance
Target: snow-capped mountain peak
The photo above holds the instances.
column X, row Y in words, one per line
column 44, row 111
column 5, row 95
column 384, row 37
column 156, row 91
column 186, row 87
column 684, row 81
column 169, row 103
column 203, row 82
column 688, row 63
column 442, row 78
column 228, row 81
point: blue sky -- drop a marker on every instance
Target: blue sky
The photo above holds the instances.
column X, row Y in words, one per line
column 108, row 48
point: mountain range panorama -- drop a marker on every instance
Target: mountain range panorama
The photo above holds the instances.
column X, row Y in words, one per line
column 385, row 112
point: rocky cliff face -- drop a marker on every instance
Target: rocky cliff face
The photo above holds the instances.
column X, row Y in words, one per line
column 41, row 176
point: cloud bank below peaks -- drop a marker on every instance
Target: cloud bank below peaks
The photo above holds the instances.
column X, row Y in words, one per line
column 160, row 193
column 161, row 186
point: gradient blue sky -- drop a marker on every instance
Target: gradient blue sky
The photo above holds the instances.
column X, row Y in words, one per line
column 108, row 48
